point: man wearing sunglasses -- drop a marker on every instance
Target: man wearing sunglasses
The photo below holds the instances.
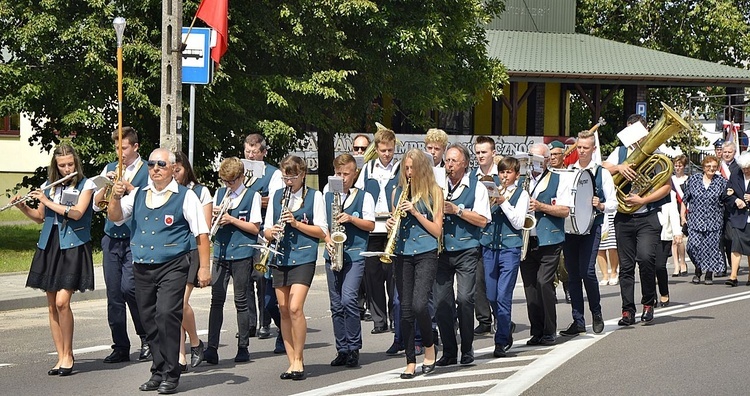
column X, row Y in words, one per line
column 164, row 216
column 117, row 260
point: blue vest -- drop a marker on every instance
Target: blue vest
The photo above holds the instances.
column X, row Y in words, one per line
column 72, row 233
column 458, row 234
column 161, row 234
column 356, row 238
column 413, row 238
column 549, row 229
column 473, row 175
column 373, row 187
column 500, row 234
column 231, row 243
column 139, row 180
column 621, row 157
column 297, row 247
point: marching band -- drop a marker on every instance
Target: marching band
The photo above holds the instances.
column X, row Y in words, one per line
column 408, row 229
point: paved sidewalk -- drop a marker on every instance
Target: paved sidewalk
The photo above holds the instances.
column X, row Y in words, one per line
column 15, row 295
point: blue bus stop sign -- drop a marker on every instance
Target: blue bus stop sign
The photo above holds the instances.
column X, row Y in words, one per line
column 196, row 59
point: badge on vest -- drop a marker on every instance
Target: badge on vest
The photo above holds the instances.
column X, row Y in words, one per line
column 168, row 220
column 304, row 218
column 461, row 206
column 553, row 201
column 242, row 218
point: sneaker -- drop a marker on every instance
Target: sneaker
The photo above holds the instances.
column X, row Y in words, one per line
column 604, row 282
column 352, row 360
column 614, row 281
column 394, row 349
column 500, row 351
column 598, row 325
column 242, row 355
column 573, row 330
column 648, row 314
column 627, row 319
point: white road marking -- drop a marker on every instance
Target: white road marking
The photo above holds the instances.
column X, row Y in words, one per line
column 99, row 348
column 524, row 376
column 6, row 364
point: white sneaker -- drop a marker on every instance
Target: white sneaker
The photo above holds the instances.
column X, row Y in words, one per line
column 614, row 281
column 603, row 282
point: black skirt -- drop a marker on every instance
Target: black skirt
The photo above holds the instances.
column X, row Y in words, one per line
column 195, row 263
column 54, row 269
column 293, row 274
column 740, row 240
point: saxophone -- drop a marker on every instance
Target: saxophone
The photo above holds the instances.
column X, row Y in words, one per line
column 338, row 234
column 262, row 264
column 398, row 214
column 529, row 222
column 223, row 208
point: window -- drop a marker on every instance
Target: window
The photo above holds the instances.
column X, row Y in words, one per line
column 10, row 125
column 456, row 122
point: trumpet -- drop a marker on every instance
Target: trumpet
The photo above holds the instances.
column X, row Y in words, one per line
column 109, row 191
column 28, row 197
column 262, row 264
column 223, row 208
column 398, row 214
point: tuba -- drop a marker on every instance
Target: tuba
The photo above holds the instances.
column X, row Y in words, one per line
column 653, row 170
column 262, row 264
column 398, row 214
column 338, row 234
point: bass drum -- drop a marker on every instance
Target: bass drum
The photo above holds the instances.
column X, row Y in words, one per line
column 582, row 213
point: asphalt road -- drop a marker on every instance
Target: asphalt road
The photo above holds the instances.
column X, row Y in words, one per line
column 696, row 346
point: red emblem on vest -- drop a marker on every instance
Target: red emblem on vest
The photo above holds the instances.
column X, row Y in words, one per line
column 242, row 218
column 168, row 220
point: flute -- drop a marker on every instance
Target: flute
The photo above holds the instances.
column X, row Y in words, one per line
column 27, row 197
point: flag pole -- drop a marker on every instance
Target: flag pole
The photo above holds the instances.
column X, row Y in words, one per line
column 119, row 25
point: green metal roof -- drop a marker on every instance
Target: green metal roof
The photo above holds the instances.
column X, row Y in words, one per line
column 572, row 57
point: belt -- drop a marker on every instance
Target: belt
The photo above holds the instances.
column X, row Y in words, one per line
column 640, row 215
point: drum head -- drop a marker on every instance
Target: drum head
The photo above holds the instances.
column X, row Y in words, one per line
column 582, row 214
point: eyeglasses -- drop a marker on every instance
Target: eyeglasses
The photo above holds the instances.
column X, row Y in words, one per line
column 152, row 163
column 359, row 148
column 230, row 181
column 290, row 178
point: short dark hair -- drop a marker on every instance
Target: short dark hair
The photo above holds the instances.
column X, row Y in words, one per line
column 637, row 118
column 485, row 139
column 255, row 138
column 509, row 163
column 128, row 133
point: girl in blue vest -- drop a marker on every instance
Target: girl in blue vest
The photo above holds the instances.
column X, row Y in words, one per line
column 415, row 261
column 183, row 173
column 299, row 226
column 62, row 262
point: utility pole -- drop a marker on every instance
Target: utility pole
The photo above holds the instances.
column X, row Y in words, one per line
column 170, row 131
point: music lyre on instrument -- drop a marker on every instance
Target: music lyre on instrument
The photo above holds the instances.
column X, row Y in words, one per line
column 27, row 197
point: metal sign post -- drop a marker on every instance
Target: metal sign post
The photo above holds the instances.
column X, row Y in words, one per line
column 196, row 69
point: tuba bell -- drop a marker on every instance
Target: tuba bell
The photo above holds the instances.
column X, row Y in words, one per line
column 653, row 170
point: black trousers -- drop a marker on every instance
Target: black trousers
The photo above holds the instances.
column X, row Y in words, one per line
column 663, row 251
column 538, row 275
column 637, row 239
column 159, row 293
column 415, row 276
column 462, row 266
column 378, row 279
column 482, row 308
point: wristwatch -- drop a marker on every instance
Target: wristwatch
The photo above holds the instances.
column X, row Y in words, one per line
column 460, row 212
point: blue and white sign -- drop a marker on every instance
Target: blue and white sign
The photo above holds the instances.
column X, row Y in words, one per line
column 641, row 109
column 196, row 58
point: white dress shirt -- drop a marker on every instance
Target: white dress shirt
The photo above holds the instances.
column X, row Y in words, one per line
column 320, row 216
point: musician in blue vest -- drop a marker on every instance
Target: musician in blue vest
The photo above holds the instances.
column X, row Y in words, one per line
column 501, row 249
column 296, row 222
column 484, row 150
column 379, row 177
column 356, row 218
column 117, row 260
column 183, row 173
column 62, row 262
column 467, row 212
column 259, row 285
column 239, row 225
column 581, row 250
column 164, row 217
column 637, row 234
column 416, row 241
column 550, row 203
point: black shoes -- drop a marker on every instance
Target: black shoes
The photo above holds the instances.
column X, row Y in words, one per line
column 500, row 351
column 598, row 325
column 150, row 385
column 534, row 340
column 394, row 349
column 446, row 361
column 53, row 371
column 510, row 336
column 167, row 388
column 648, row 313
column 573, row 330
column 732, row 282
column 547, row 340
column 407, row 375
column 145, row 352
column 242, row 355
column 482, row 329
column 340, row 360
column 352, row 360
column 264, row 332
column 467, row 358
column 183, row 368
column 664, row 301
column 429, row 368
column 65, row 371
column 196, row 354
column 117, row 356
column 379, row 330
column 286, row 375
column 709, row 279
column 298, row 375
column 627, row 319
column 696, row 279
column 211, row 356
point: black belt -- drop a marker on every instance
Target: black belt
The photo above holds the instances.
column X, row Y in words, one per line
column 640, row 215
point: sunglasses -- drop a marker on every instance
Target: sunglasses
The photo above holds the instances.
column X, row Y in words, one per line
column 152, row 163
column 359, row 148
